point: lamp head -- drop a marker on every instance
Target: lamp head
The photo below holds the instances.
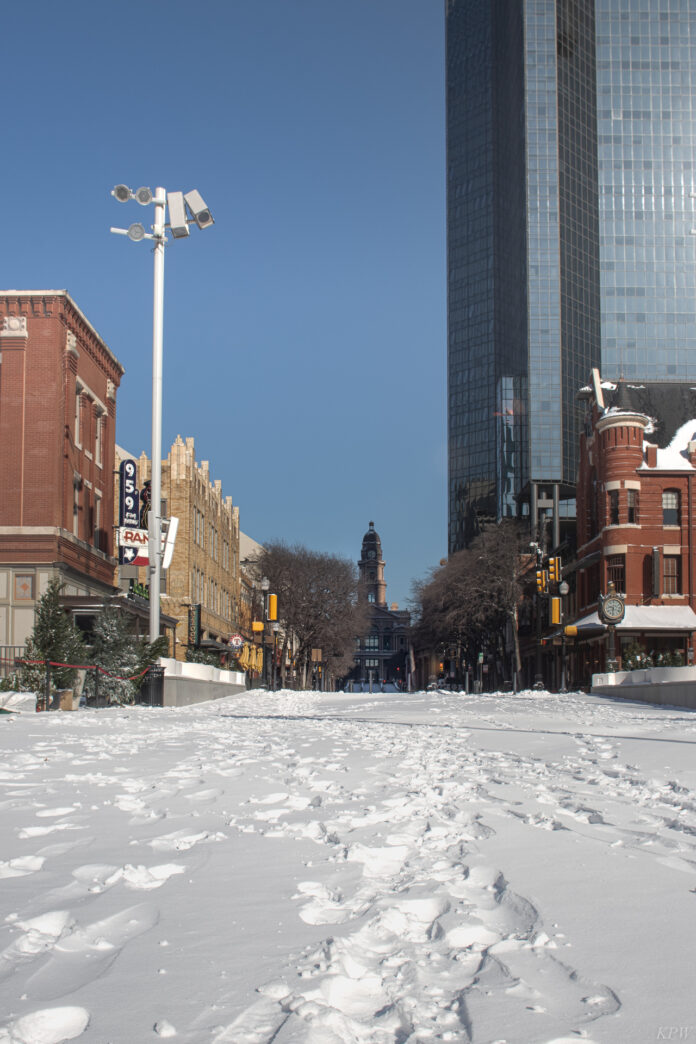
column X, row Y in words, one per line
column 136, row 232
column 200, row 212
column 122, row 193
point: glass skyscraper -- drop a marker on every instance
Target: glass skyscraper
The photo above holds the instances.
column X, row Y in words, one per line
column 570, row 166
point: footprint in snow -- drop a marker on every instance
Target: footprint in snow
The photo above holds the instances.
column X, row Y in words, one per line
column 47, row 1026
column 85, row 953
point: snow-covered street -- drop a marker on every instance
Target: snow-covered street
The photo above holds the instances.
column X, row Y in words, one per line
column 377, row 869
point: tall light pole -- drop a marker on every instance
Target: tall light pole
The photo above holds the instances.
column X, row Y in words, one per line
column 265, row 586
column 183, row 211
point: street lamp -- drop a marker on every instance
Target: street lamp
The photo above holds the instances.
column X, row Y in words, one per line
column 265, row 587
column 183, row 211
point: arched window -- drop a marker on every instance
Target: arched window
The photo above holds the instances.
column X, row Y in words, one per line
column 671, row 507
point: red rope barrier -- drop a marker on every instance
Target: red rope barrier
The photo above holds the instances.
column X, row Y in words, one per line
column 83, row 667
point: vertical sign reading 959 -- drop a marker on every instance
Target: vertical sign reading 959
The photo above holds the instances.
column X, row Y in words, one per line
column 129, row 500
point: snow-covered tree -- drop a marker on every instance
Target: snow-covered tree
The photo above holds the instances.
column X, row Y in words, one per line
column 116, row 650
column 55, row 638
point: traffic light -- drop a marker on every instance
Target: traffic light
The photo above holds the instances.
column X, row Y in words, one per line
column 541, row 580
column 555, row 570
column 555, row 610
column 272, row 607
column 570, row 631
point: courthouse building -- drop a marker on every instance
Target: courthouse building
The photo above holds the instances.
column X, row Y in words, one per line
column 381, row 653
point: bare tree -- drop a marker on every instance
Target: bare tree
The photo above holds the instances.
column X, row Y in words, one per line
column 475, row 593
column 317, row 605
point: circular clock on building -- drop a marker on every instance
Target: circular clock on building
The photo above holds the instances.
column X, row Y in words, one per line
column 613, row 609
column 371, row 554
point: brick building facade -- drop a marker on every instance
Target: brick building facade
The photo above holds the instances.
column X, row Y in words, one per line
column 205, row 567
column 636, row 509
column 58, row 383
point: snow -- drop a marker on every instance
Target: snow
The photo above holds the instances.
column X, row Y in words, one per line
column 649, row 618
column 349, row 869
column 675, row 457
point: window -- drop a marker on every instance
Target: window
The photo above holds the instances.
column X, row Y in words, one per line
column 371, row 596
column 632, row 506
column 77, row 486
column 372, row 642
column 671, row 508
column 99, row 423
column 386, row 642
column 616, row 572
column 88, row 523
column 672, row 574
column 593, row 506
column 96, row 535
column 78, row 408
column 613, row 507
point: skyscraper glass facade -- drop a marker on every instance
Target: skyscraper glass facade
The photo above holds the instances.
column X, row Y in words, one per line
column 486, row 256
column 646, row 121
column 570, row 155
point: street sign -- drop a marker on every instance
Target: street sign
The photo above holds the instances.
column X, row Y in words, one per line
column 194, row 624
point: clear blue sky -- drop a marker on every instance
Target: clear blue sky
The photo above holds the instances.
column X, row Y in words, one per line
column 305, row 333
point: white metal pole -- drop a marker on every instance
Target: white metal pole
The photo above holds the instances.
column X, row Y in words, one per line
column 155, row 517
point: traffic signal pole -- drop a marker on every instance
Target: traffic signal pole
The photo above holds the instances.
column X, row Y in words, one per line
column 538, row 671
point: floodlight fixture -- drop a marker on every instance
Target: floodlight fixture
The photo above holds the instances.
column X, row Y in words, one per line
column 136, row 232
column 180, row 206
column 178, row 222
column 200, row 212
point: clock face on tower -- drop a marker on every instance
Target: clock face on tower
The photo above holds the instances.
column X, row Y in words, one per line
column 371, row 554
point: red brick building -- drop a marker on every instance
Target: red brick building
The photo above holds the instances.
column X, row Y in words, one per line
column 58, row 382
column 636, row 509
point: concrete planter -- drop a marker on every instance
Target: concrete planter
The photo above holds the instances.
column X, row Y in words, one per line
column 668, row 686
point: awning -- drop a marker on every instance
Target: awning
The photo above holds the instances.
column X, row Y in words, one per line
column 644, row 618
column 582, row 563
column 212, row 644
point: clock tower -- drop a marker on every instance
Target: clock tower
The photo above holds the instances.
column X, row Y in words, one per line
column 373, row 588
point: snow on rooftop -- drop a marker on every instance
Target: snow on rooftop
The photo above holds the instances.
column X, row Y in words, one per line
column 675, row 457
